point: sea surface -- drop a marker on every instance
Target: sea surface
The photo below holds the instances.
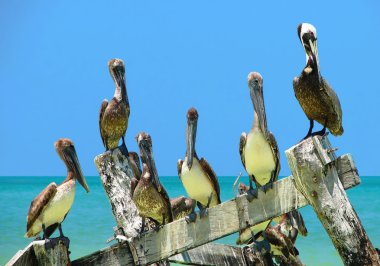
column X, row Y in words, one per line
column 90, row 220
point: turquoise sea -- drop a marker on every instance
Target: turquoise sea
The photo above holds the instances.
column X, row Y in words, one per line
column 90, row 220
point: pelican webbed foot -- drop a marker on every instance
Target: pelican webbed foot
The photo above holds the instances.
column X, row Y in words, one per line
column 191, row 218
column 52, row 242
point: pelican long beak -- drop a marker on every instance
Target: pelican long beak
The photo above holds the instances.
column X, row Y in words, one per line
column 191, row 133
column 314, row 51
column 146, row 153
column 70, row 157
column 258, row 105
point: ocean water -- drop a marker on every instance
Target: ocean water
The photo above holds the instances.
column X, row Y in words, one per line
column 90, row 220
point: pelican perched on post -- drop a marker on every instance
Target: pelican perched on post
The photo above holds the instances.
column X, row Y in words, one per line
column 197, row 176
column 149, row 195
column 258, row 150
column 182, row 207
column 316, row 97
column 113, row 115
column 48, row 210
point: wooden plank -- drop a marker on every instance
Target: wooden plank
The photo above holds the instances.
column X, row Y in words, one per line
column 117, row 254
column 211, row 254
column 23, row 257
column 320, row 184
column 222, row 220
column 36, row 254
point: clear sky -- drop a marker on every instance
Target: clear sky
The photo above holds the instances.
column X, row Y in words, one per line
column 54, row 75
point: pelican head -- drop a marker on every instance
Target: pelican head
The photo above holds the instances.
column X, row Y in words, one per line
column 308, row 37
column 117, row 71
column 66, row 151
column 191, row 132
column 144, row 141
column 255, row 85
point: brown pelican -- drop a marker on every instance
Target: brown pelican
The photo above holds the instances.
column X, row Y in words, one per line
column 134, row 162
column 197, row 176
column 258, row 150
column 282, row 247
column 113, row 115
column 48, row 210
column 182, row 207
column 149, row 195
column 316, row 97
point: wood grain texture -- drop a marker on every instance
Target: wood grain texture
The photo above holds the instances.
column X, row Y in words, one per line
column 211, row 254
column 36, row 254
column 178, row 236
column 116, row 174
column 318, row 180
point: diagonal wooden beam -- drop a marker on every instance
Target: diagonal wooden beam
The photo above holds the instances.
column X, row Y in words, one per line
column 223, row 219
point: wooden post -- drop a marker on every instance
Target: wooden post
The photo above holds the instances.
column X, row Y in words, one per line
column 116, row 175
column 313, row 167
column 36, row 254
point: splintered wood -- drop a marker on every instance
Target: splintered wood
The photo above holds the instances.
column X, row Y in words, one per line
column 315, row 172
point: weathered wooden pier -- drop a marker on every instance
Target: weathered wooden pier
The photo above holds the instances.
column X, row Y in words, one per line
column 319, row 179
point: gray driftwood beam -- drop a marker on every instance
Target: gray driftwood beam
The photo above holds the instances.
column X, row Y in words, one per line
column 36, row 254
column 223, row 219
column 314, row 169
column 218, row 254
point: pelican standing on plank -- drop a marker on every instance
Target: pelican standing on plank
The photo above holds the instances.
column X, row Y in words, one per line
column 113, row 115
column 316, row 97
column 48, row 210
column 258, row 150
column 149, row 195
column 197, row 176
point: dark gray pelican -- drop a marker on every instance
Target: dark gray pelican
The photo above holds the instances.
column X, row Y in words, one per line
column 197, row 176
column 113, row 115
column 182, row 207
column 315, row 95
column 48, row 210
column 149, row 195
column 258, row 150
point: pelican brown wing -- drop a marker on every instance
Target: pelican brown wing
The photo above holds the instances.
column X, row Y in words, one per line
column 276, row 154
column 134, row 160
column 39, row 203
column 243, row 141
column 335, row 116
column 179, row 167
column 165, row 196
column 212, row 176
column 101, row 114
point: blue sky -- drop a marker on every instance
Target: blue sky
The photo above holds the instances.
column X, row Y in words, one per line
column 53, row 76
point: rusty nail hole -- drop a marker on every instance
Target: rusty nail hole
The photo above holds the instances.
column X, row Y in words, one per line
column 314, row 194
column 314, row 179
